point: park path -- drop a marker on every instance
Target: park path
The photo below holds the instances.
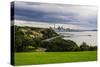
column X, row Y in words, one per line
column 52, row 38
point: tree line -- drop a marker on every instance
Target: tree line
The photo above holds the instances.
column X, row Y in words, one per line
column 66, row 45
column 23, row 41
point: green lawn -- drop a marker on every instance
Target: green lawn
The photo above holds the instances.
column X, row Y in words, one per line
column 29, row 58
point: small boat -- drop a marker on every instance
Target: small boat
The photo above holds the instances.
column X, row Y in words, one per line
column 89, row 35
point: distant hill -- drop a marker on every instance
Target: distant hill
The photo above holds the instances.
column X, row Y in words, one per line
column 35, row 32
column 73, row 30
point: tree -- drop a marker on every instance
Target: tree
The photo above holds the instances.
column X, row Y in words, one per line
column 84, row 46
column 47, row 33
column 18, row 44
column 19, row 35
column 92, row 48
column 60, row 45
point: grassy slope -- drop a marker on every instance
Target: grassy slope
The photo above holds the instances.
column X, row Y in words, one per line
column 29, row 58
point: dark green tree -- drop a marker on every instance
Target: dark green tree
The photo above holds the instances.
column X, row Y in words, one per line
column 84, row 46
column 92, row 48
column 60, row 45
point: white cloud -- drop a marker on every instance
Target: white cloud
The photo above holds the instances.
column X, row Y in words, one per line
column 45, row 25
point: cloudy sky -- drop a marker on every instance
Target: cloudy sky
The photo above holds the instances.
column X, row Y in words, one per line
column 45, row 15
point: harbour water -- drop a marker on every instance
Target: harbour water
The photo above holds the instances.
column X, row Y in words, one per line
column 90, row 37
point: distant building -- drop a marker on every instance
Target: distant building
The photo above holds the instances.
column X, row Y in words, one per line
column 68, row 29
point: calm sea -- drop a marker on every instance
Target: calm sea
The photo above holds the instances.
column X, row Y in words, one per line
column 90, row 37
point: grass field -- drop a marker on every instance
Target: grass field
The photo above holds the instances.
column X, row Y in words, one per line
column 31, row 58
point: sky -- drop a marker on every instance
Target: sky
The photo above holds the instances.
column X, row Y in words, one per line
column 46, row 14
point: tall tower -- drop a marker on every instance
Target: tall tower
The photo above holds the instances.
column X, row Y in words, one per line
column 54, row 26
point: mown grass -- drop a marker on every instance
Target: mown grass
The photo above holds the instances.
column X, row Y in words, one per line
column 31, row 58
